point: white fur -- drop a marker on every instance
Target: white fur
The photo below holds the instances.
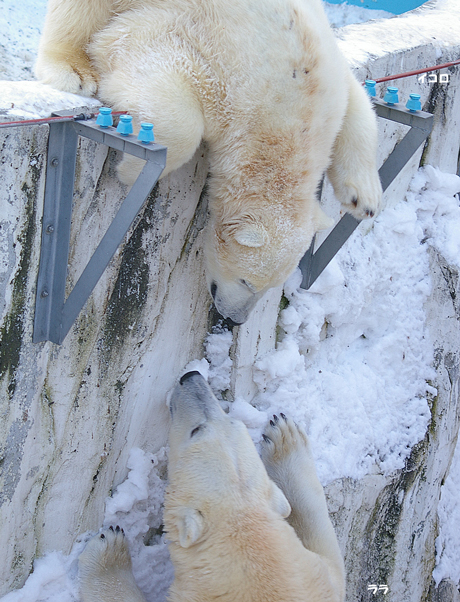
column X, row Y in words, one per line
column 224, row 515
column 263, row 83
column 105, row 571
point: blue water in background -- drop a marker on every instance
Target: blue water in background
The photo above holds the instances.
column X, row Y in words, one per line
column 396, row 7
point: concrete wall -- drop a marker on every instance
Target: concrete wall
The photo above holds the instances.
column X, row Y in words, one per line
column 71, row 413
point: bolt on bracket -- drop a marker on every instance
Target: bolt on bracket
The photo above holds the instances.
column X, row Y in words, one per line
column 313, row 262
column 54, row 315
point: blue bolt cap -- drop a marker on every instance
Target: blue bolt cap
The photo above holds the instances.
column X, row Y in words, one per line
column 125, row 125
column 391, row 96
column 370, row 87
column 104, row 119
column 414, row 104
column 146, row 133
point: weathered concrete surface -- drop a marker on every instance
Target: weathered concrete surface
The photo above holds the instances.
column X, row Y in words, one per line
column 71, row 413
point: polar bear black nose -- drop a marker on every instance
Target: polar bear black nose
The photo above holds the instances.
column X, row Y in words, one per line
column 188, row 375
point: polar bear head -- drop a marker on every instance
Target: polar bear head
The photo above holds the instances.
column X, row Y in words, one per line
column 215, row 473
column 252, row 252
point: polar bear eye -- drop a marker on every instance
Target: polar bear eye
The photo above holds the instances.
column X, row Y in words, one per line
column 248, row 285
column 195, row 430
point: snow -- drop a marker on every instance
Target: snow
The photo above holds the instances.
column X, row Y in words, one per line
column 54, row 578
column 136, row 507
column 434, row 24
column 20, row 27
column 354, row 365
column 33, row 100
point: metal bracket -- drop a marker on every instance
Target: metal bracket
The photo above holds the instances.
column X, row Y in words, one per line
column 54, row 315
column 421, row 124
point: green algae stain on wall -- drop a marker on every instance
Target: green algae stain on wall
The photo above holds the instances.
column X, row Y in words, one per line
column 12, row 328
column 381, row 534
column 27, row 167
column 130, row 292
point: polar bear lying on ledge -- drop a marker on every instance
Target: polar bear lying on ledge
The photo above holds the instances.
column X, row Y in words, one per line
column 224, row 515
column 263, row 83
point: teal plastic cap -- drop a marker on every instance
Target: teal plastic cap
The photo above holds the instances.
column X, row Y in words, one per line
column 391, row 96
column 125, row 125
column 104, row 119
column 146, row 133
column 414, row 104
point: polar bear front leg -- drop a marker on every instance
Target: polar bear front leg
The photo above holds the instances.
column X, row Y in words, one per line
column 353, row 172
column 287, row 457
column 170, row 103
column 62, row 60
column 105, row 572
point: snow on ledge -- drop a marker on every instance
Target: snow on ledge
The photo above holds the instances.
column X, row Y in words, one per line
column 33, row 100
column 436, row 23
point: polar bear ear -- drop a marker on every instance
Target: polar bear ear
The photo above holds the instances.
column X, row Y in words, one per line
column 251, row 234
column 190, row 525
column 279, row 502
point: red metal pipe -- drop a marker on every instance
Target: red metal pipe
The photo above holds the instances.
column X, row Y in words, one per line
column 80, row 117
column 417, row 72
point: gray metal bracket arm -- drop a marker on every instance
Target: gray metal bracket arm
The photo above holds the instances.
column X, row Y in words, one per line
column 421, row 124
column 54, row 315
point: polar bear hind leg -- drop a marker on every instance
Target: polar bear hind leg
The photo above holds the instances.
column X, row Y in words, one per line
column 289, row 462
column 105, row 569
column 353, row 172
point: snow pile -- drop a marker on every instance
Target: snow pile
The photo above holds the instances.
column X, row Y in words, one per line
column 217, row 368
column 438, row 210
column 54, row 579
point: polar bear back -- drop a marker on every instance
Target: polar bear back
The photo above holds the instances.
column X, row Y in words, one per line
column 248, row 63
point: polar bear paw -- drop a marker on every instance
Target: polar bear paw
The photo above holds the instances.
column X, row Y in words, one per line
column 75, row 76
column 105, row 551
column 105, row 572
column 361, row 200
column 284, row 445
column 355, row 179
